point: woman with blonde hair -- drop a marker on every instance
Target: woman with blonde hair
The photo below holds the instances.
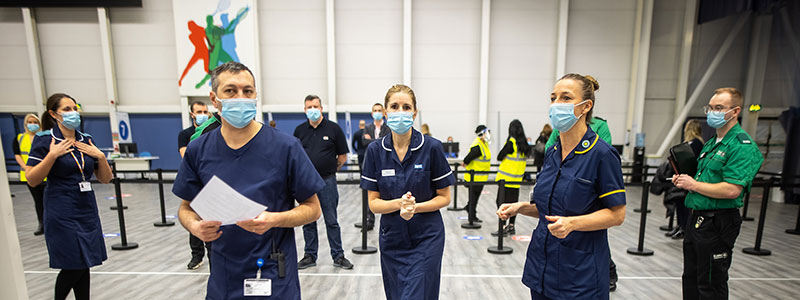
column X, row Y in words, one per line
column 22, row 148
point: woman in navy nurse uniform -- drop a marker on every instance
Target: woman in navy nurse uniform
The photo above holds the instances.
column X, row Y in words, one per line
column 578, row 195
column 408, row 179
column 72, row 230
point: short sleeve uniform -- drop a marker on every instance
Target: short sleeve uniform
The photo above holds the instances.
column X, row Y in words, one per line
column 411, row 251
column 589, row 179
column 271, row 169
column 72, row 229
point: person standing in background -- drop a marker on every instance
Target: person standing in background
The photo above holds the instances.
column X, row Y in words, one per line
column 22, row 148
column 425, row 129
column 357, row 145
column 513, row 160
column 199, row 114
column 692, row 135
column 540, row 146
column 478, row 159
column 372, row 132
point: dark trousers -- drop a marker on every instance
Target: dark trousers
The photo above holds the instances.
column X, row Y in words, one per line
column 198, row 250
column 511, row 196
column 682, row 213
column 707, row 253
column 612, row 269
column 472, row 206
column 38, row 194
column 370, row 214
column 329, row 202
column 72, row 280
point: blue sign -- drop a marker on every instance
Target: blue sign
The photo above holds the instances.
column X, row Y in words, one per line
column 123, row 130
column 473, row 237
column 108, row 235
column 462, row 218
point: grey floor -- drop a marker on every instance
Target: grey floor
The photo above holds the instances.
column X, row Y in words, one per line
column 157, row 269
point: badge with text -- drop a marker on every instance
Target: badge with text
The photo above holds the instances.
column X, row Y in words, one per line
column 85, row 186
column 386, row 173
column 258, row 286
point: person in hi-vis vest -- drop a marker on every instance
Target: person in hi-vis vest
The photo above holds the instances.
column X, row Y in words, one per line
column 512, row 168
column 22, row 147
column 478, row 159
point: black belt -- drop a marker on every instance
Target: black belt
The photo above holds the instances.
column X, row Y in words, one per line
column 710, row 213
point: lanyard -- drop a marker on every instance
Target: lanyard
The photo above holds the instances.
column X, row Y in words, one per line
column 80, row 165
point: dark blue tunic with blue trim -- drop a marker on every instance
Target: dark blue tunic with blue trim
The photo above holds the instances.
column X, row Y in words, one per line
column 271, row 169
column 411, row 251
column 588, row 180
column 72, row 229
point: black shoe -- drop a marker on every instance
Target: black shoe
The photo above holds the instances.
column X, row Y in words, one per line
column 307, row 262
column 194, row 264
column 370, row 225
column 39, row 231
column 510, row 229
column 672, row 232
column 343, row 263
column 612, row 286
column 478, row 220
column 678, row 235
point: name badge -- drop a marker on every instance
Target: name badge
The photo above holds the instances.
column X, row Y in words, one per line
column 85, row 186
column 257, row 287
column 325, row 138
column 418, row 166
column 389, row 172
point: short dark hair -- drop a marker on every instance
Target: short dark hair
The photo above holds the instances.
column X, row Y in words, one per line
column 232, row 67
column 312, row 98
column 198, row 102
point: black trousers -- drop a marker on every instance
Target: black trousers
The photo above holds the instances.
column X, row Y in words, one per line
column 511, row 196
column 38, row 194
column 370, row 214
column 198, row 247
column 707, row 253
column 472, row 206
column 682, row 213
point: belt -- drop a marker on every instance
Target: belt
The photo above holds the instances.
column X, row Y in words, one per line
column 710, row 213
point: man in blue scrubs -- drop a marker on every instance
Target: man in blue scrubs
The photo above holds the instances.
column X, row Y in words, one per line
column 264, row 165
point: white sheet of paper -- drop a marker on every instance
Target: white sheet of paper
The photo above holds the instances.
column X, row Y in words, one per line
column 218, row 201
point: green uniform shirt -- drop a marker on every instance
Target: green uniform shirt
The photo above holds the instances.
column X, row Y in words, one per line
column 598, row 125
column 736, row 159
column 198, row 131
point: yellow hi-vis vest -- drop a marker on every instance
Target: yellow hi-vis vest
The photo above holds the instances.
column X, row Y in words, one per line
column 24, row 150
column 481, row 163
column 512, row 168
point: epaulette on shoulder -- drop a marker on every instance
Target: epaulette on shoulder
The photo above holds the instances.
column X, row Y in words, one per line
column 86, row 134
column 43, row 133
column 744, row 138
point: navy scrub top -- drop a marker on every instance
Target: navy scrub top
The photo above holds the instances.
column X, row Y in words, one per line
column 72, row 229
column 588, row 180
column 271, row 169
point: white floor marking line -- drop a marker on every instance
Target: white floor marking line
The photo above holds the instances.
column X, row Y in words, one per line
column 443, row 275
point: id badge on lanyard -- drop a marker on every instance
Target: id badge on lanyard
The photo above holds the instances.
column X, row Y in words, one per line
column 84, row 185
column 258, row 286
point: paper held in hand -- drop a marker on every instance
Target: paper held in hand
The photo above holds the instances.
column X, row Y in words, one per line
column 217, row 201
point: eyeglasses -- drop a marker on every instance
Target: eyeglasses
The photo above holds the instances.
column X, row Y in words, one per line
column 716, row 108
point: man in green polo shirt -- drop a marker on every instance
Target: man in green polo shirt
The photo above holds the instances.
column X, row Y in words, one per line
column 725, row 170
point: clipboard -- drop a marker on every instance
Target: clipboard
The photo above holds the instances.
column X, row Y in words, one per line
column 682, row 159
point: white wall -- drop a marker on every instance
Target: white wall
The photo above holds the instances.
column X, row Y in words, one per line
column 15, row 81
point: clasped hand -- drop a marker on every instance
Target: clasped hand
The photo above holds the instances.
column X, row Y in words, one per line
column 208, row 231
column 408, row 206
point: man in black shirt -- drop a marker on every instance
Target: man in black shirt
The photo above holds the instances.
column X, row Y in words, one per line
column 326, row 146
column 199, row 114
column 357, row 145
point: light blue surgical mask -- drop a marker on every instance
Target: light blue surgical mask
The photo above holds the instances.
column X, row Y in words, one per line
column 377, row 116
column 313, row 114
column 32, row 127
column 562, row 115
column 716, row 119
column 72, row 119
column 200, row 119
column 238, row 111
column 400, row 122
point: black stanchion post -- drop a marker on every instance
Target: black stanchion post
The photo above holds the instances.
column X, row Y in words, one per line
column 114, row 173
column 499, row 249
column 646, row 190
column 121, row 215
column 455, row 191
column 364, row 249
column 762, row 215
column 796, row 229
column 164, row 221
column 744, row 208
column 640, row 249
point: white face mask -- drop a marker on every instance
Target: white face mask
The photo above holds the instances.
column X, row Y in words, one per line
column 487, row 137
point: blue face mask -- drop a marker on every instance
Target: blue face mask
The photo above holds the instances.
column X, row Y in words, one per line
column 562, row 116
column 377, row 116
column 33, row 127
column 313, row 114
column 200, row 119
column 716, row 119
column 72, row 119
column 238, row 111
column 400, row 122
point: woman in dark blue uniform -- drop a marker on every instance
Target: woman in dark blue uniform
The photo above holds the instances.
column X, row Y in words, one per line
column 579, row 194
column 408, row 180
column 72, row 230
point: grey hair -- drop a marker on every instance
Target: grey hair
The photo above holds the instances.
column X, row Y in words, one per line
column 232, row 67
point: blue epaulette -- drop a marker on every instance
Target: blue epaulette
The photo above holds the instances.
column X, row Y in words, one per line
column 43, row 133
